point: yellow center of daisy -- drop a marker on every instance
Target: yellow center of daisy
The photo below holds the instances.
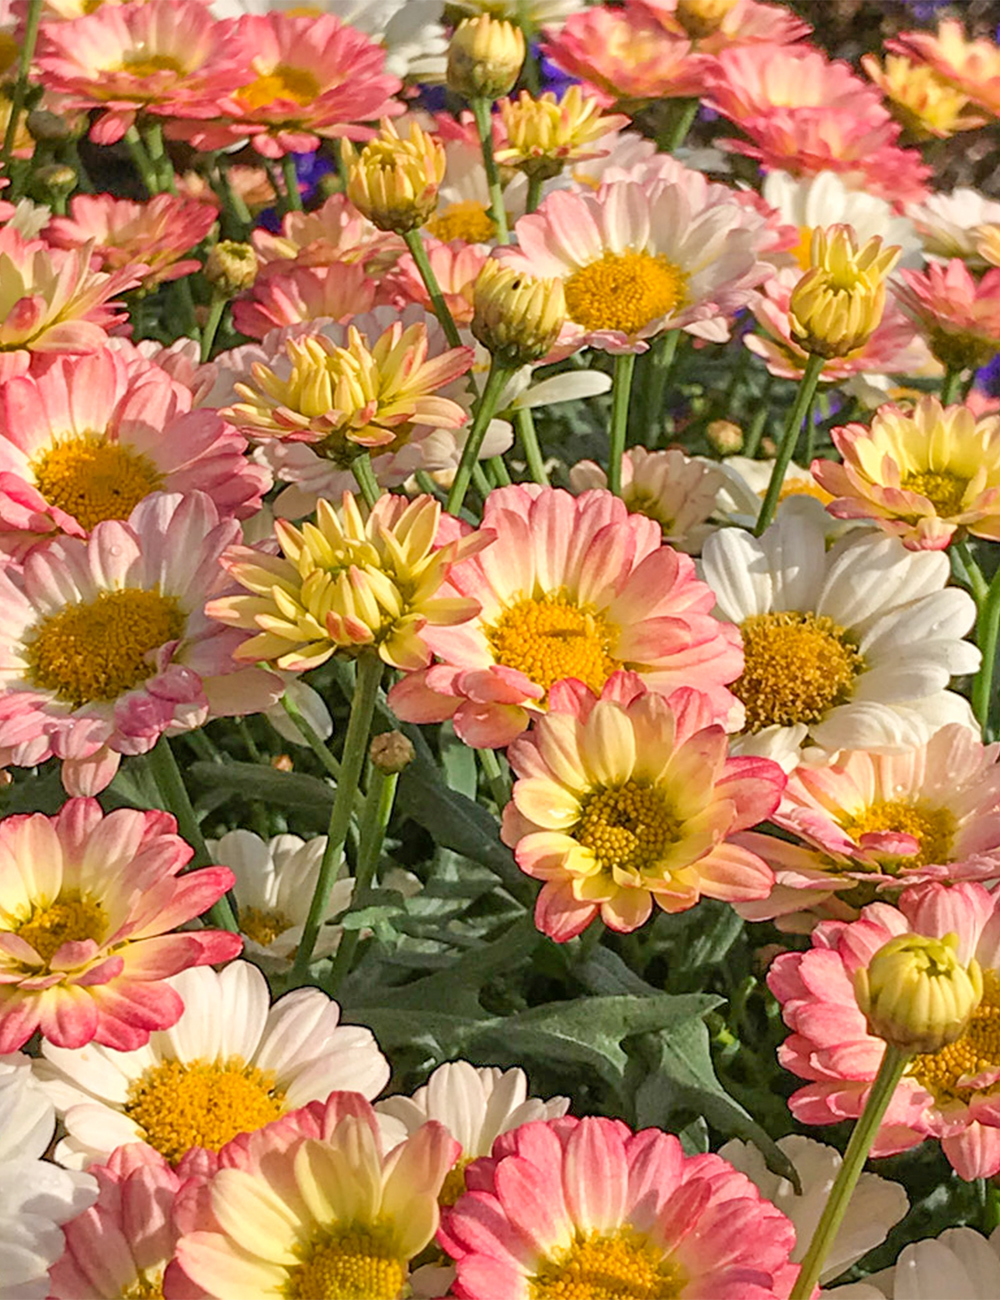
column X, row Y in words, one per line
column 454, row 1183
column 624, row 291
column 796, row 668
column 93, row 479
column 67, row 920
column 622, row 1265
column 627, row 827
column 98, row 650
column 263, row 927
column 469, row 221
column 552, row 637
column 799, row 487
column 149, row 65
column 144, row 1286
column 359, row 1262
column 942, row 489
column 932, row 828
column 282, row 82
column 201, row 1104
column 977, row 1050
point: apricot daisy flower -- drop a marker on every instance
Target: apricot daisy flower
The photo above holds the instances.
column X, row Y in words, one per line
column 852, row 646
column 588, row 1206
column 92, row 436
column 334, row 232
column 88, row 905
column 105, row 645
column 627, row 801
column 924, row 476
column 333, row 1215
column 155, row 236
column 958, row 314
column 289, row 294
column 231, row 1064
column 973, row 66
column 638, row 259
column 876, row 823
column 947, row 224
column 949, row 1095
column 351, row 579
column 572, row 587
column 923, row 101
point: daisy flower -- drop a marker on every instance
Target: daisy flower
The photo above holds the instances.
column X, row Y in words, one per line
column 455, row 266
column 571, row 587
column 852, row 647
column 948, row 1095
column 636, row 260
column 973, row 66
column 334, row 1214
column 36, row 1198
column 960, row 1262
column 947, row 224
column 336, row 232
column 959, row 315
column 231, row 1064
column 717, row 26
column 745, row 485
column 627, row 801
column 872, row 823
column 925, row 104
column 87, row 438
column 924, row 476
column 154, row 235
column 587, row 1204
column 289, row 294
column 88, row 905
column 105, row 644
column 751, row 81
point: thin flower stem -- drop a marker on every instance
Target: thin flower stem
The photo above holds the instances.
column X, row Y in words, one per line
column 970, row 571
column 482, row 112
column 311, row 736
column 153, row 140
column 364, row 475
column 418, row 252
column 20, row 86
column 374, row 823
column 481, row 481
column 949, row 386
column 426, row 484
column 987, row 632
column 499, row 471
column 755, row 432
column 215, row 311
column 495, row 381
column 800, row 412
column 894, row 1062
column 369, row 675
column 684, row 113
column 535, row 183
column 498, row 783
column 525, row 425
column 233, row 205
column 620, row 393
column 293, row 197
column 143, row 163
column 170, row 783
column 662, row 356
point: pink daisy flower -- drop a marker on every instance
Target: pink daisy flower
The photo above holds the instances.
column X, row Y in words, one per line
column 312, row 78
column 288, row 294
column 149, row 238
column 86, row 906
column 335, row 232
column 751, row 81
column 455, row 267
column 958, row 314
column 104, row 645
column 949, row 1095
column 586, row 1206
column 746, row 22
column 167, row 57
column 872, row 824
column 87, row 438
column 627, row 801
column 572, row 587
column 973, row 66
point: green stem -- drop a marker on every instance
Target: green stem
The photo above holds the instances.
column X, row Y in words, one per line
column 143, row 162
column 233, row 205
column 481, row 481
column 499, row 471
column 158, row 156
column 799, row 413
column 170, row 783
column 682, row 119
column 535, row 183
column 970, row 571
column 311, row 736
column 894, row 1062
column 481, row 111
column 364, row 475
column 755, row 432
column 216, row 307
column 620, row 393
column 662, row 356
column 949, row 386
column 418, row 252
column 183, row 296
column 498, row 783
column 21, row 85
column 374, row 823
column 293, row 198
column 987, row 632
column 369, row 675
column 495, row 381
column 525, row 425
column 426, row 484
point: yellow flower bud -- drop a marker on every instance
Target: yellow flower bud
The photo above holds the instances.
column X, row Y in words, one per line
column 838, row 303
column 517, row 317
column 701, row 18
column 394, row 182
column 544, row 134
column 231, row 267
column 725, row 437
column 485, row 57
column 916, row 994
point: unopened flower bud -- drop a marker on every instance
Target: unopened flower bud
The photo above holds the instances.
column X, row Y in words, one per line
column 701, row 18
column 282, row 763
column 56, row 180
column 391, row 752
column 724, row 437
column 837, row 305
column 49, row 128
column 231, row 267
column 485, row 57
column 916, row 994
column 516, row 316
column 392, row 181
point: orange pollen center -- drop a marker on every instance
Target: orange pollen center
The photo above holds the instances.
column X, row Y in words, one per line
column 263, row 927
column 932, row 828
column 93, row 479
column 944, row 490
column 621, row 1265
column 468, row 220
column 551, row 638
column 944, row 1073
column 150, row 65
column 360, row 1261
column 69, row 919
column 628, row 828
column 624, row 291
column 281, row 84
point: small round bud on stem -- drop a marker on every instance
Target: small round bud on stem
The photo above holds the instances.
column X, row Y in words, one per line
column 725, row 437
column 916, row 994
column 231, row 267
column 516, row 316
column 392, row 181
column 50, row 128
column 485, row 57
column 391, row 752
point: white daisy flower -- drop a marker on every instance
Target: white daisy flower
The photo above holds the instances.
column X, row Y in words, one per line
column 947, row 223
column 875, row 1207
column 958, row 1265
column 309, row 703
column 230, row 1065
column 851, row 647
column 538, row 13
column 35, row 1196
